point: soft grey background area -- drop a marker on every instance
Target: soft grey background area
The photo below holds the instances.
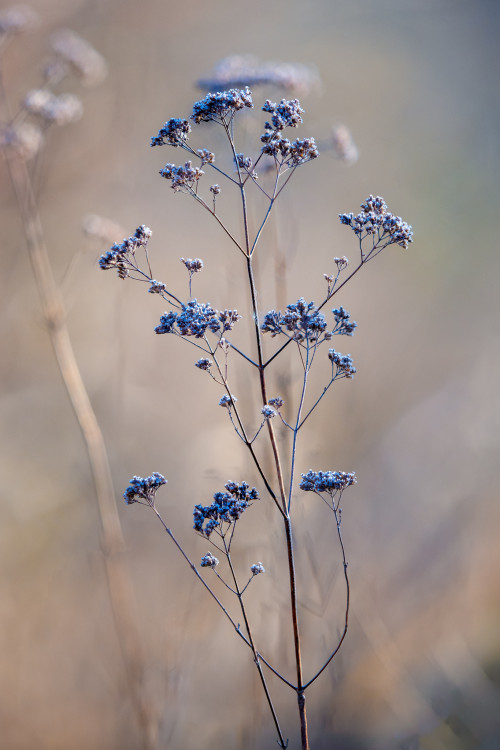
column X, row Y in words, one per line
column 417, row 83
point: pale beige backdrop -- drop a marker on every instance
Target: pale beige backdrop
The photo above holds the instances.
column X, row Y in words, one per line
column 416, row 82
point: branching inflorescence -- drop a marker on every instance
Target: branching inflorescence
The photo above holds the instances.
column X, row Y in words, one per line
column 304, row 325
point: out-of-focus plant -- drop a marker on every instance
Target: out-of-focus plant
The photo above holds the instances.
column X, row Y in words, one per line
column 303, row 326
column 23, row 134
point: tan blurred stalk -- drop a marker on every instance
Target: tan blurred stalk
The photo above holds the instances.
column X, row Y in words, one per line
column 112, row 542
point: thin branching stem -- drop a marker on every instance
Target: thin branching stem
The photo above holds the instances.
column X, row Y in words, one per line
column 346, row 621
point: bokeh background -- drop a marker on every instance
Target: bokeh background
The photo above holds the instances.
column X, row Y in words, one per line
column 416, row 81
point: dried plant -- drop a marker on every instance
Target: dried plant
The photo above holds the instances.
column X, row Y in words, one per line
column 23, row 135
column 303, row 326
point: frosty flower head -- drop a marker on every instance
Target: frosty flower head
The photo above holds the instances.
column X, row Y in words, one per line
column 183, row 177
column 341, row 263
column 119, row 256
column 227, row 401
column 193, row 266
column 209, row 561
column 327, row 481
column 174, row 133
column 344, row 326
column 268, row 412
column 374, row 218
column 204, row 364
column 286, row 114
column 215, row 189
column 143, row 490
column 302, row 320
column 206, row 156
column 342, row 362
column 195, row 319
column 227, row 508
column 222, row 105
column 277, row 402
column 257, row 568
column 157, row 287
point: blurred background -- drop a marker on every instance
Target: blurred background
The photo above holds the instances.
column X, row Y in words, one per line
column 416, row 83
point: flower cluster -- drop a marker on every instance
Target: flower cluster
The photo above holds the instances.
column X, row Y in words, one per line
column 374, row 218
column 173, row 133
column 227, row 507
column 327, row 481
column 193, row 266
column 227, row 401
column 221, row 104
column 206, row 156
column 209, row 561
column 292, row 153
column 195, row 318
column 286, row 114
column 344, row 326
column 301, row 318
column 342, row 362
column 268, row 412
column 185, row 176
column 257, row 568
column 304, row 322
column 143, row 489
column 119, row 255
column 204, row 364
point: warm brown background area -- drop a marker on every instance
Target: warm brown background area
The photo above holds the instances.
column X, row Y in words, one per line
column 416, row 81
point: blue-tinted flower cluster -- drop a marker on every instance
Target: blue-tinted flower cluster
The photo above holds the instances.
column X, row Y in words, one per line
column 173, row 133
column 183, row 176
column 209, row 561
column 291, row 153
column 374, row 218
column 196, row 318
column 344, row 326
column 343, row 363
column 304, row 322
column 227, row 507
column 221, row 104
column 142, row 490
column 302, row 319
column 286, row 114
column 327, row 481
column 119, row 255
